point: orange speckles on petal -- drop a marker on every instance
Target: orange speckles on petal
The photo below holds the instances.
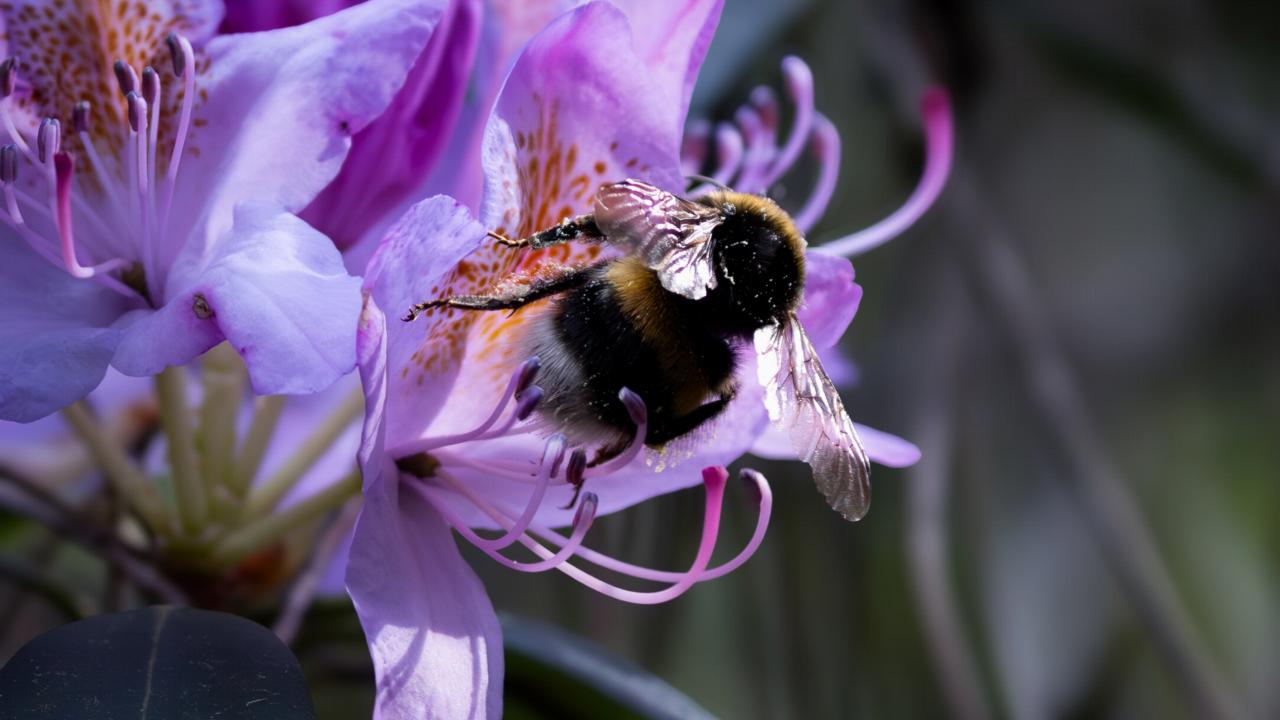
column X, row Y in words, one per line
column 600, row 167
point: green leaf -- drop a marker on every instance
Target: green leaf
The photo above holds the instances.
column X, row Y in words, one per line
column 159, row 662
column 552, row 673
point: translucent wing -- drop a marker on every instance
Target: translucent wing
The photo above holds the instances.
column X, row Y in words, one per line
column 668, row 233
column 801, row 399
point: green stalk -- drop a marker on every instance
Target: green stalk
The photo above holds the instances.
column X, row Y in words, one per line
column 223, row 378
column 266, row 414
column 175, row 419
column 122, row 472
column 263, row 499
column 263, row 531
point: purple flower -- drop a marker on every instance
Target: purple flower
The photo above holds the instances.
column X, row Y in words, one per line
column 150, row 186
column 448, row 441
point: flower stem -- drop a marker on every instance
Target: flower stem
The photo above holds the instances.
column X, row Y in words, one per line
column 175, row 419
column 223, row 377
column 129, row 480
column 262, row 531
column 266, row 414
column 264, row 497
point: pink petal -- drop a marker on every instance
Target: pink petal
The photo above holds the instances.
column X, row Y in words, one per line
column 831, row 298
column 672, row 38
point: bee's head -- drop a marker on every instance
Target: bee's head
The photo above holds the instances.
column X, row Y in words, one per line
column 759, row 262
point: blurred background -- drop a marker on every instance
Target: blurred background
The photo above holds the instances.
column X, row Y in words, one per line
column 1081, row 337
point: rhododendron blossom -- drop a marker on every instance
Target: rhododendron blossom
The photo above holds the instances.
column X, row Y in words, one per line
column 150, row 179
column 451, row 439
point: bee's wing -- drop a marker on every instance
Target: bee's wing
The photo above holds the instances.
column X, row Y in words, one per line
column 801, row 399
column 668, row 233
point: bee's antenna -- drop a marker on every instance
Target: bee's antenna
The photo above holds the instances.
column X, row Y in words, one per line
column 708, row 180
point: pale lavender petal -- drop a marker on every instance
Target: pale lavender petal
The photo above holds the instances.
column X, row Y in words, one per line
column 413, row 264
column 392, row 157
column 831, row 298
column 582, row 112
column 275, row 288
column 883, row 448
column 282, row 107
column 56, row 334
column 672, row 38
column 434, row 638
column 842, row 370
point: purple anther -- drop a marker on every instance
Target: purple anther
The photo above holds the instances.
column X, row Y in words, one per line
column 137, row 110
column 126, row 78
column 9, row 76
column 635, row 406
column 577, row 467
column 528, row 371
column 9, row 164
column 176, row 54
column 528, row 402
column 150, row 85
column 80, row 117
column 586, row 512
column 48, row 138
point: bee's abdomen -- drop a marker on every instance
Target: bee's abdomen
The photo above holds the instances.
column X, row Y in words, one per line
column 615, row 339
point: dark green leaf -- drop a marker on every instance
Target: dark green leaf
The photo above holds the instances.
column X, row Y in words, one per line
column 552, row 673
column 160, row 662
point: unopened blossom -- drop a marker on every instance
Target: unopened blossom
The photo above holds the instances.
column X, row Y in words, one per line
column 449, row 439
column 150, row 180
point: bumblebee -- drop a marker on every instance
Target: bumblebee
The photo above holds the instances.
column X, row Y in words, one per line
column 694, row 284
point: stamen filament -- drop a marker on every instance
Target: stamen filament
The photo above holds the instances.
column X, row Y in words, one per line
column 640, row 416
column 520, row 381
column 644, row 573
column 798, row 79
column 582, row 521
column 183, row 64
column 64, row 169
column 713, row 480
column 175, row 419
column 551, row 457
column 508, row 469
column 936, row 108
column 826, row 146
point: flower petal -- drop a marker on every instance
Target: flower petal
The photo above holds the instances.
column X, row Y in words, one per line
column 435, row 640
column 672, row 38
column 56, row 334
column 582, row 112
column 258, row 15
column 391, row 158
column 831, row 298
column 422, row 357
column 282, row 107
column 275, row 288
column 882, row 447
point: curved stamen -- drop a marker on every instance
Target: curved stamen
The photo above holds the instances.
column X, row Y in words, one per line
column 826, row 148
column 520, row 381
column 138, row 139
column 582, row 521
column 65, row 167
column 525, row 405
column 552, row 454
column 764, row 500
column 713, row 480
column 756, row 157
column 728, row 150
column 126, row 78
column 48, row 138
column 81, row 123
column 640, row 416
column 184, row 67
column 799, row 83
column 936, row 108
column 8, row 176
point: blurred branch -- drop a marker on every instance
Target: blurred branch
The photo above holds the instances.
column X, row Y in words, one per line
column 303, row 591
column 66, row 522
column 929, row 488
column 1109, row 507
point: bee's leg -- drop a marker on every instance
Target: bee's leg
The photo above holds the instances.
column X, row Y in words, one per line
column 664, row 432
column 504, row 240
column 608, row 452
column 513, row 295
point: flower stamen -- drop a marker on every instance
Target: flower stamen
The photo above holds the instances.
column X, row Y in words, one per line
column 936, row 110
column 826, row 149
column 640, row 416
